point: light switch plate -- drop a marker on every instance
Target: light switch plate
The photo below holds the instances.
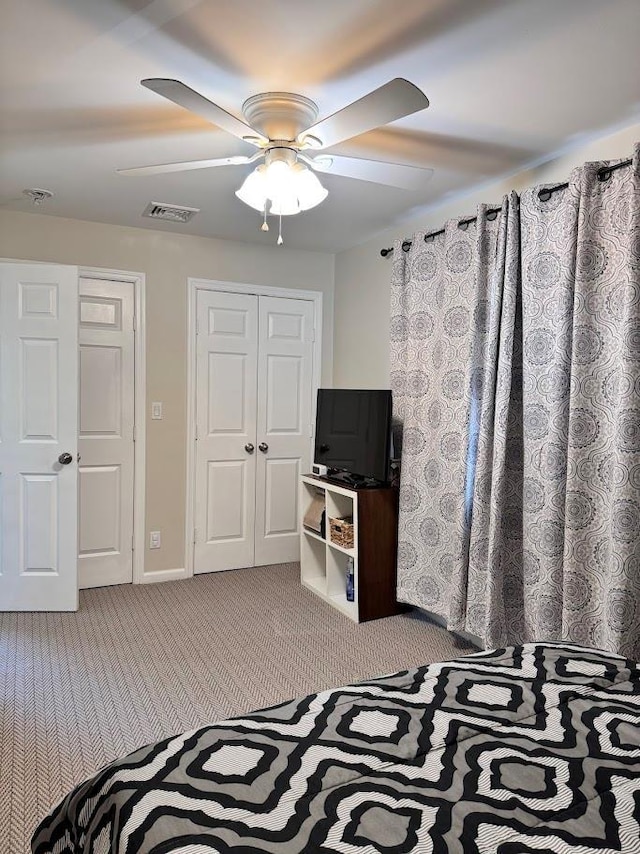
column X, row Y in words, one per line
column 154, row 540
column 156, row 410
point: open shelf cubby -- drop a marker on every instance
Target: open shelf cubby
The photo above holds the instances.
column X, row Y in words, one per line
column 324, row 564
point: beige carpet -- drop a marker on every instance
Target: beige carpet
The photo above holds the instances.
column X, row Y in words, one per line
column 136, row 664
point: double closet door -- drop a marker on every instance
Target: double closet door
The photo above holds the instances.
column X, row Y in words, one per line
column 254, row 392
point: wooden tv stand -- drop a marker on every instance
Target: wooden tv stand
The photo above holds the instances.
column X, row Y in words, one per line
column 323, row 564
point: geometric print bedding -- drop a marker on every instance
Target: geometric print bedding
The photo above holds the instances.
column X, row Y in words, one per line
column 526, row 750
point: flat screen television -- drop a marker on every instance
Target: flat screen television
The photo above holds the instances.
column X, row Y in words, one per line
column 353, row 432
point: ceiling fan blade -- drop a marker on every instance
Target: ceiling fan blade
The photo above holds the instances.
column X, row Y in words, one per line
column 185, row 97
column 391, row 174
column 187, row 165
column 394, row 100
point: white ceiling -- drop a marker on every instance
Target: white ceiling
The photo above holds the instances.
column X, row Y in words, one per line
column 510, row 81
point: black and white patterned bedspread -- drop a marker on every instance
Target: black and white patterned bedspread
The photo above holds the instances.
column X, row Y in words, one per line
column 528, row 749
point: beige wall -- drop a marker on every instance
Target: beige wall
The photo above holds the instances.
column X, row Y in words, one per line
column 355, row 330
column 167, row 259
column 362, row 277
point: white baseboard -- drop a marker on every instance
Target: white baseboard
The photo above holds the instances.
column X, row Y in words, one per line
column 163, row 575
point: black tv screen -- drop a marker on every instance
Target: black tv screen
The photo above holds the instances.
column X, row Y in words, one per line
column 353, row 431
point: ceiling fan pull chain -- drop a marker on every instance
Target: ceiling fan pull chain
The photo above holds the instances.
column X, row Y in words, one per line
column 280, row 241
column 265, row 224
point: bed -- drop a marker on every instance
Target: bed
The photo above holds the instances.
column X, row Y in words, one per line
column 533, row 748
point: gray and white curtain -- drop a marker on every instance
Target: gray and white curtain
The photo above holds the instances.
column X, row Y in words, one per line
column 515, row 366
column 438, row 312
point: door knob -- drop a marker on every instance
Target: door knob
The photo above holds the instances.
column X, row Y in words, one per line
column 249, row 448
column 263, row 447
column 65, row 459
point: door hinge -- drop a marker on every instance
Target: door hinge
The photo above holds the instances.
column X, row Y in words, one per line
column 135, row 433
column 133, row 544
column 195, row 536
column 196, row 436
column 135, row 323
column 313, row 334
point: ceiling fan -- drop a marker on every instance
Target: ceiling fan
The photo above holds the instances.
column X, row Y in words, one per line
column 283, row 127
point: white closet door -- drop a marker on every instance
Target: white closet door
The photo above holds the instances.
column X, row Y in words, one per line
column 285, row 370
column 106, row 441
column 225, row 458
column 38, row 437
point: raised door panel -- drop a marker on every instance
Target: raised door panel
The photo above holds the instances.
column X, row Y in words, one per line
column 100, row 510
column 39, row 389
column 227, row 394
column 226, row 501
column 39, row 524
column 100, row 391
column 285, row 326
column 38, row 300
column 284, row 395
column 230, row 322
column 282, row 488
column 101, row 312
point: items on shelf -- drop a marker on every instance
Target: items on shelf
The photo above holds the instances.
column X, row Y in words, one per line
column 350, row 580
column 315, row 517
column 341, row 531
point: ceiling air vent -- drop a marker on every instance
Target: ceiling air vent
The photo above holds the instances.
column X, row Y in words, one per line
column 169, row 213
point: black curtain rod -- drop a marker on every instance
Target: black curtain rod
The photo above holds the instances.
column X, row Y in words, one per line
column 492, row 213
column 544, row 195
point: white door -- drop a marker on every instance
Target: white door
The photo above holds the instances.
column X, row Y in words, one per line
column 225, row 457
column 284, row 428
column 254, row 366
column 106, row 440
column 38, row 437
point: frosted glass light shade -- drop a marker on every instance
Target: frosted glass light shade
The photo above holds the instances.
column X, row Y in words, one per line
column 280, row 180
column 253, row 191
column 285, row 205
column 288, row 189
column 310, row 191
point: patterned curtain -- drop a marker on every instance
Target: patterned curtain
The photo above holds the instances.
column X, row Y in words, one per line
column 520, row 494
column 439, row 317
column 494, row 574
column 581, row 383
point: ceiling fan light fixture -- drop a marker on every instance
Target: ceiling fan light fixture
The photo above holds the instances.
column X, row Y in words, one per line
column 282, row 126
column 282, row 188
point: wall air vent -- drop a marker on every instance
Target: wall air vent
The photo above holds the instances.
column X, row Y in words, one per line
column 169, row 213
